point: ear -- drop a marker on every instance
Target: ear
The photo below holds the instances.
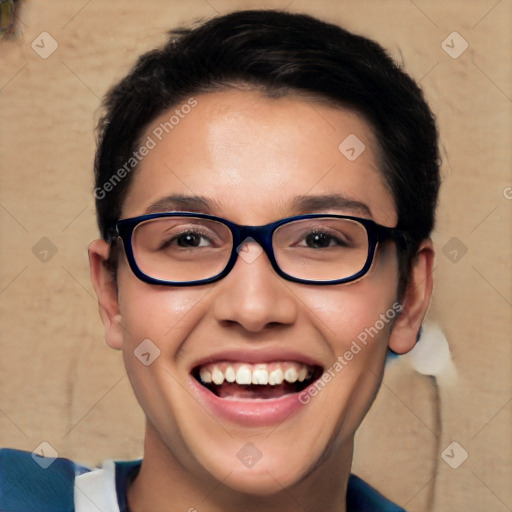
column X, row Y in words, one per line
column 416, row 301
column 106, row 291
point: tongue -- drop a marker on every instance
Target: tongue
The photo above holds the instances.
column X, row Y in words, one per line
column 236, row 392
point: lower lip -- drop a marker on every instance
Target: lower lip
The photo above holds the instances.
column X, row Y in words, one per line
column 255, row 413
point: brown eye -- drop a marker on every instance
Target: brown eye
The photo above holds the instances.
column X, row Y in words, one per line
column 189, row 240
column 318, row 240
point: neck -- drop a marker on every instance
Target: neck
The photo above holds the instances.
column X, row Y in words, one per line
column 164, row 480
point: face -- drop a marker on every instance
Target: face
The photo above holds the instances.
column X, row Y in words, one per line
column 256, row 160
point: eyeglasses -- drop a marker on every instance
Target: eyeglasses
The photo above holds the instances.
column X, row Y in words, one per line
column 186, row 248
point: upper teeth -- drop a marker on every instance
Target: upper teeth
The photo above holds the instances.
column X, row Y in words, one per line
column 259, row 374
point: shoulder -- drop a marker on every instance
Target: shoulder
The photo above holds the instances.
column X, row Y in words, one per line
column 361, row 497
column 34, row 483
column 31, row 482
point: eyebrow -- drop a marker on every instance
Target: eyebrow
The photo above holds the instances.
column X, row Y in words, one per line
column 299, row 204
column 319, row 203
column 179, row 202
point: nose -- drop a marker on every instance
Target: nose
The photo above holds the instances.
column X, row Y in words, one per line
column 252, row 295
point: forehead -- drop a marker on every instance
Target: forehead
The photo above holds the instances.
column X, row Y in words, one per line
column 254, row 159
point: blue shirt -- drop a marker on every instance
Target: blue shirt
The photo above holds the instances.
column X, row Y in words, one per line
column 31, row 483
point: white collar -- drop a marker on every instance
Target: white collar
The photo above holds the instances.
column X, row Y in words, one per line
column 95, row 491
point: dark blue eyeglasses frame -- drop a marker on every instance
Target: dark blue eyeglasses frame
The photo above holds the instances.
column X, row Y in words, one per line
column 263, row 236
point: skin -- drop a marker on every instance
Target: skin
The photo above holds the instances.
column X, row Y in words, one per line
column 253, row 155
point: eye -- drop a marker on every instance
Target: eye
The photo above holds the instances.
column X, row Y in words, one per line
column 190, row 239
column 321, row 240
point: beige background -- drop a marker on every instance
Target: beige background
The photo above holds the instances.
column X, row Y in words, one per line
column 60, row 383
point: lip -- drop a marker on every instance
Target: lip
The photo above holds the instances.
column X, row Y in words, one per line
column 251, row 412
column 256, row 356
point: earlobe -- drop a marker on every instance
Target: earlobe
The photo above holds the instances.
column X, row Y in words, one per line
column 106, row 290
column 416, row 301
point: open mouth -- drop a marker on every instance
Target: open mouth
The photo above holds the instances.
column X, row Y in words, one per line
column 266, row 381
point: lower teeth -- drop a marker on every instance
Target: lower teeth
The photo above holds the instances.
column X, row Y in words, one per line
column 251, row 392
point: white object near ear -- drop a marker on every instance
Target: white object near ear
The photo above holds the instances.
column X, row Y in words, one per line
column 431, row 355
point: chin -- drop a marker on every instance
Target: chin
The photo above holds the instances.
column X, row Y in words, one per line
column 263, row 483
column 260, row 473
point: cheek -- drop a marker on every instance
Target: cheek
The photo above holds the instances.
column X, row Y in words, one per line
column 345, row 312
column 358, row 317
column 160, row 313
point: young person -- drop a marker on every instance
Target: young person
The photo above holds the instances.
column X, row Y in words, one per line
column 265, row 189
